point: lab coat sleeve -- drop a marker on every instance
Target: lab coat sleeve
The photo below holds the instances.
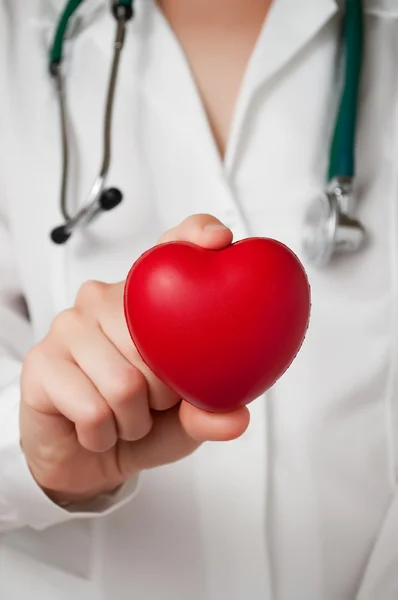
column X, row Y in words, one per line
column 22, row 502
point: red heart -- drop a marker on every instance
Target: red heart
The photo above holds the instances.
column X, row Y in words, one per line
column 219, row 327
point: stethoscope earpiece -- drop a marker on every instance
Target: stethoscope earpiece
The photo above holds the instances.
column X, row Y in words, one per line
column 110, row 198
column 123, row 10
column 60, row 235
column 106, row 201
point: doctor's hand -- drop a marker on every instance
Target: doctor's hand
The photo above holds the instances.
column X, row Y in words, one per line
column 92, row 413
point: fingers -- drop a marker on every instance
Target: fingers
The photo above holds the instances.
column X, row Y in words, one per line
column 121, row 384
column 67, row 390
column 113, row 325
column 166, row 443
column 203, row 230
column 177, row 433
column 98, row 389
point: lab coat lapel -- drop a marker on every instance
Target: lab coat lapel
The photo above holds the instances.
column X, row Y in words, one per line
column 288, row 28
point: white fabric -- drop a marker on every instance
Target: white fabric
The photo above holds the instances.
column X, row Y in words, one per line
column 304, row 505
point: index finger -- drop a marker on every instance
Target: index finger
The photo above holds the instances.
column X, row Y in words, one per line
column 202, row 229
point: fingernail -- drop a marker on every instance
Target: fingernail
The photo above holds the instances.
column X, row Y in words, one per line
column 215, row 227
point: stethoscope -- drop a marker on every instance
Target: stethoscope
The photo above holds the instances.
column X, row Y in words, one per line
column 330, row 227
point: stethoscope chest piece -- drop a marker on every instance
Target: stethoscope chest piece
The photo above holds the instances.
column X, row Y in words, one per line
column 329, row 227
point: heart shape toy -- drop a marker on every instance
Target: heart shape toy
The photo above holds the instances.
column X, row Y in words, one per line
column 219, row 327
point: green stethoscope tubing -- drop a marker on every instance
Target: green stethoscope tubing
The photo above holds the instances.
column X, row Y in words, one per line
column 70, row 8
column 342, row 153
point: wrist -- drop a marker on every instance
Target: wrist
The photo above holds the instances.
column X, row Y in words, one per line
column 53, row 486
column 66, row 499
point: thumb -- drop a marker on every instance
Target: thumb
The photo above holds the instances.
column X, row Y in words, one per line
column 202, row 230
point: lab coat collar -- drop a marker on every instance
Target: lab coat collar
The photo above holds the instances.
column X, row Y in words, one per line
column 289, row 26
column 299, row 15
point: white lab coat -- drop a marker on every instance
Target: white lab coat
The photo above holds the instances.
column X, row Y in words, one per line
column 305, row 505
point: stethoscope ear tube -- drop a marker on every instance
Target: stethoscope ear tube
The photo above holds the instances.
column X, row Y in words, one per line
column 100, row 199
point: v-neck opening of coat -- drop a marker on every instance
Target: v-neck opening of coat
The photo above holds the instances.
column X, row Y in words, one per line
column 221, row 158
column 198, row 112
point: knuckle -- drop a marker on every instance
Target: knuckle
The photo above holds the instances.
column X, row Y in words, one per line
column 32, row 358
column 168, row 236
column 28, row 373
column 34, row 373
column 189, row 227
column 34, row 363
column 128, row 384
column 178, row 231
column 94, row 415
column 92, row 291
column 198, row 221
column 198, row 218
column 66, row 321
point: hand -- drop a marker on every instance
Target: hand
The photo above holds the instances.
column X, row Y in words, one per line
column 92, row 414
